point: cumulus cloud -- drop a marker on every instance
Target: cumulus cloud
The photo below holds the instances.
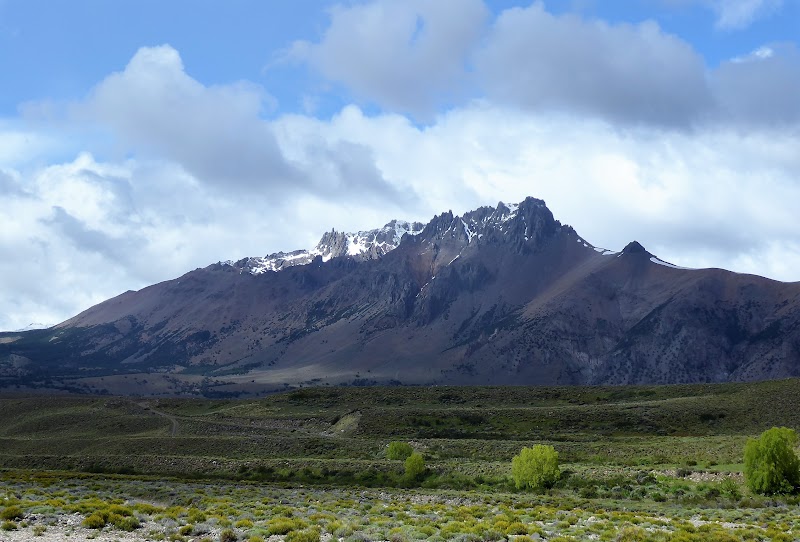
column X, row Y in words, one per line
column 21, row 145
column 218, row 133
column 532, row 59
column 407, row 55
column 215, row 132
column 761, row 88
column 623, row 72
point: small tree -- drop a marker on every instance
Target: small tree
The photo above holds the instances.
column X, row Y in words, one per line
column 399, row 450
column 535, row 468
column 770, row 463
column 415, row 466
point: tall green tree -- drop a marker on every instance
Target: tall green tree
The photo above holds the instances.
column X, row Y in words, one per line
column 535, row 468
column 415, row 466
column 770, row 462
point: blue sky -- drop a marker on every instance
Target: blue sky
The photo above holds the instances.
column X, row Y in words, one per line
column 60, row 49
column 57, row 50
column 142, row 139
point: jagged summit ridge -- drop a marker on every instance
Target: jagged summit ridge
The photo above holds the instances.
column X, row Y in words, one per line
column 362, row 245
column 527, row 224
column 373, row 244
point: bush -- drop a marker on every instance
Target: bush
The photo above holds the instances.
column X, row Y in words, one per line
column 307, row 535
column 535, row 468
column 283, row 526
column 770, row 464
column 415, row 466
column 11, row 513
column 730, row 489
column 94, row 521
column 228, row 535
column 399, row 450
column 124, row 523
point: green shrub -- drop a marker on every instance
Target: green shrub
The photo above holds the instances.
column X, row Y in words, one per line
column 535, row 468
column 281, row 525
column 196, row 516
column 399, row 450
column 631, row 533
column 516, row 528
column 124, row 523
column 307, row 535
column 94, row 521
column 730, row 489
column 8, row 525
column 770, row 464
column 12, row 513
column 120, row 510
column 228, row 535
column 415, row 466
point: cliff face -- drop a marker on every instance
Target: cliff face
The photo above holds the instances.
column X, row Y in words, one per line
column 503, row 295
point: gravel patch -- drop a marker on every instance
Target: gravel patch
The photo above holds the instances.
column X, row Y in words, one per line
column 67, row 527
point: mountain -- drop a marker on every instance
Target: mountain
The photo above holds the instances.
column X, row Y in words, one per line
column 499, row 295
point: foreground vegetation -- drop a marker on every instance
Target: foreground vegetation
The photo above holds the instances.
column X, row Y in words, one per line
column 636, row 463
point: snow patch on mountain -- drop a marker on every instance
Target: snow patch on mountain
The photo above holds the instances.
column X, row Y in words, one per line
column 362, row 245
column 667, row 264
column 31, row 327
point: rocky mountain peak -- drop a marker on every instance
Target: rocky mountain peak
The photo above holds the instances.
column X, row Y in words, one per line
column 530, row 219
column 634, row 247
column 527, row 223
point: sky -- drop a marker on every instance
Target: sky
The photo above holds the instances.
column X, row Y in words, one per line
column 141, row 139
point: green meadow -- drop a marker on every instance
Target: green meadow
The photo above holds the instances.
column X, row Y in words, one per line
column 637, row 463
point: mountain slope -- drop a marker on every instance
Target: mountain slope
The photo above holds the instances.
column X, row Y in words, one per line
column 504, row 295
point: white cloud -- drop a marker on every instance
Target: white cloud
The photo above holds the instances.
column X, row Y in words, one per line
column 532, row 59
column 217, row 133
column 759, row 89
column 155, row 106
column 762, row 53
column 636, row 73
column 407, row 55
column 738, row 14
column 21, row 145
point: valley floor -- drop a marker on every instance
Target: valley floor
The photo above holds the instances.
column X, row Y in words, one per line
column 58, row 506
column 310, row 465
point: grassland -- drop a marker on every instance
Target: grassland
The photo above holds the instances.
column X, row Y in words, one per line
column 640, row 463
